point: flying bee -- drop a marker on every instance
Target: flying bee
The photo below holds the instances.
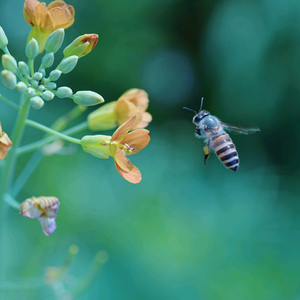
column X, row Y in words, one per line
column 212, row 130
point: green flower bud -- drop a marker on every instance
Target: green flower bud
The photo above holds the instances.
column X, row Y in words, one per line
column 68, row 64
column 64, row 92
column 55, row 40
column 9, row 79
column 43, row 72
column 23, row 67
column 21, row 87
column 87, row 98
column 81, row 46
column 9, row 63
column 3, row 38
column 31, row 92
column 32, row 49
column 41, row 88
column 34, row 83
column 47, row 95
column 37, row 76
column 54, row 75
column 47, row 60
column 36, row 102
column 50, row 85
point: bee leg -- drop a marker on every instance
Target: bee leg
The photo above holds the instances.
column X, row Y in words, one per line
column 206, row 152
column 198, row 134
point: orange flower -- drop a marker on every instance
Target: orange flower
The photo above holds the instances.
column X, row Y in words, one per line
column 133, row 102
column 5, row 143
column 119, row 146
column 45, row 20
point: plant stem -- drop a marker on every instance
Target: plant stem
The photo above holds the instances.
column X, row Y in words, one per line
column 11, row 201
column 45, row 141
column 9, row 102
column 51, row 131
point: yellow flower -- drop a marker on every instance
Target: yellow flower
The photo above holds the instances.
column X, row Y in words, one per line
column 5, row 143
column 45, row 20
column 133, row 102
column 119, row 146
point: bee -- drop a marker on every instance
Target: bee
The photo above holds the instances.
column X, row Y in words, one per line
column 212, row 130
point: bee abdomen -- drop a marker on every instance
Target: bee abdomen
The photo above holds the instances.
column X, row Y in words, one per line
column 226, row 151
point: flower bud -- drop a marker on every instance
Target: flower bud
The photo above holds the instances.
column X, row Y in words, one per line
column 47, row 60
column 55, row 40
column 68, row 64
column 54, row 75
column 9, row 63
column 32, row 49
column 23, row 67
column 81, row 46
column 9, row 79
column 34, row 83
column 41, row 87
column 37, row 76
column 43, row 72
column 64, row 92
column 97, row 145
column 50, row 85
column 5, row 143
column 3, row 38
column 47, row 95
column 87, row 98
column 103, row 118
column 36, row 102
column 31, row 92
column 21, row 87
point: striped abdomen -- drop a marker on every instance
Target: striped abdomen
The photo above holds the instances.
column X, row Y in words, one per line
column 226, row 151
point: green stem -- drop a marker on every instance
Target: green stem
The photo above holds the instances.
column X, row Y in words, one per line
column 9, row 167
column 43, row 142
column 11, row 201
column 51, row 131
column 30, row 65
column 9, row 102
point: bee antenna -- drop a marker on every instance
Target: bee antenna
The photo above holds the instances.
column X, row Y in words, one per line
column 190, row 109
column 201, row 103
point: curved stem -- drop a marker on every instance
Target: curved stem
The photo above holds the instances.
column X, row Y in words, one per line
column 9, row 102
column 11, row 201
column 43, row 142
column 51, row 131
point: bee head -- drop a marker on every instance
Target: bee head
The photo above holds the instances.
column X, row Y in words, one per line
column 198, row 117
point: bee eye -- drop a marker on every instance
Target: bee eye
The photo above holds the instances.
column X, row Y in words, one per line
column 197, row 119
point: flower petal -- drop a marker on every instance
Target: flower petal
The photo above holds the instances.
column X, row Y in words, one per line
column 5, row 143
column 134, row 176
column 125, row 109
column 146, row 119
column 137, row 139
column 42, row 18
column 48, row 225
column 29, row 209
column 29, row 7
column 62, row 14
column 121, row 132
column 138, row 97
column 122, row 161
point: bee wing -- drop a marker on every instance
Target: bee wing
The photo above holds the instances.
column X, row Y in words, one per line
column 240, row 130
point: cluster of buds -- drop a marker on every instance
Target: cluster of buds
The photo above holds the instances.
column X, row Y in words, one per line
column 37, row 85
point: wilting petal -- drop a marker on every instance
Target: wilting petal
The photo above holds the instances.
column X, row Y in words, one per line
column 29, row 209
column 122, row 161
column 134, row 176
column 137, row 140
column 121, row 132
column 48, row 225
column 5, row 143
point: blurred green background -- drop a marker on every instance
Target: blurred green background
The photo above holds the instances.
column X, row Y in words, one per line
column 187, row 231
